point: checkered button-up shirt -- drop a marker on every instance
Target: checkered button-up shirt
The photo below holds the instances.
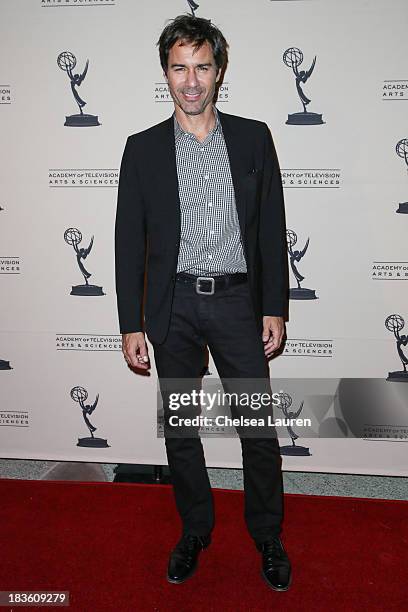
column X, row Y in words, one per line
column 210, row 241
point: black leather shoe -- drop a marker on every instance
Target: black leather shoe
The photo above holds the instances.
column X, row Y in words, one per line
column 184, row 557
column 276, row 568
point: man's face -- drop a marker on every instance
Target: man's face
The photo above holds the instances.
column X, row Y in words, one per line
column 192, row 76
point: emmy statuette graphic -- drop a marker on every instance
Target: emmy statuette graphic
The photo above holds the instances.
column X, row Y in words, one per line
column 5, row 365
column 193, row 6
column 73, row 237
column 292, row 58
column 298, row 293
column 285, row 402
column 401, row 149
column 79, row 394
column 395, row 323
column 67, row 62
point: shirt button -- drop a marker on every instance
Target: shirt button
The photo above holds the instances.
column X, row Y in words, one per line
column 201, row 148
column 206, row 177
column 211, row 231
column 209, row 203
column 209, row 256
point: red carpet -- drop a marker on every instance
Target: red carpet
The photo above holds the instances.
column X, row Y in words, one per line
column 91, row 538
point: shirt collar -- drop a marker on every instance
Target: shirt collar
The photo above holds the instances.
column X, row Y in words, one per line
column 179, row 132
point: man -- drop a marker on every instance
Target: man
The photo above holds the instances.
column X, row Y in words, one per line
column 200, row 205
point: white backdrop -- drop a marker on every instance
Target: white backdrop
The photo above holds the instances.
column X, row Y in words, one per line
column 55, row 177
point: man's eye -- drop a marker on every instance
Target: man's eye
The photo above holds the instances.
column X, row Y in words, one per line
column 205, row 68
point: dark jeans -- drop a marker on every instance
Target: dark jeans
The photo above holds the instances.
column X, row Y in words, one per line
column 224, row 321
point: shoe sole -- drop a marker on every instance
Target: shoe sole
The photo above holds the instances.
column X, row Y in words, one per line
column 276, row 588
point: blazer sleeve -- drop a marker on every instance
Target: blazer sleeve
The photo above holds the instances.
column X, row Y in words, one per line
column 272, row 234
column 130, row 244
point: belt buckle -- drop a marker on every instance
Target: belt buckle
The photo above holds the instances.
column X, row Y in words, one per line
column 206, row 278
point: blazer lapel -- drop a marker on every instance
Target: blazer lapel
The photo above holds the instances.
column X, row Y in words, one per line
column 238, row 166
column 166, row 161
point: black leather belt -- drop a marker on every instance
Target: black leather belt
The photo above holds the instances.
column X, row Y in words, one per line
column 209, row 284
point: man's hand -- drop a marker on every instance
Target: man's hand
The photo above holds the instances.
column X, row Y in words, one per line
column 134, row 350
column 272, row 335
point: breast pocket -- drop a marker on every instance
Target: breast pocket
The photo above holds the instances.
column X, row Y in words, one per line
column 252, row 183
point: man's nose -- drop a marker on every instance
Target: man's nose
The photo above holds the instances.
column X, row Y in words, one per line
column 191, row 79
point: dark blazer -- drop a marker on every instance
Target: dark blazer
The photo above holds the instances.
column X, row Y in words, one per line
column 147, row 228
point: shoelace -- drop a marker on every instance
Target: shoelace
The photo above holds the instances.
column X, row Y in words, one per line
column 187, row 544
column 273, row 548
